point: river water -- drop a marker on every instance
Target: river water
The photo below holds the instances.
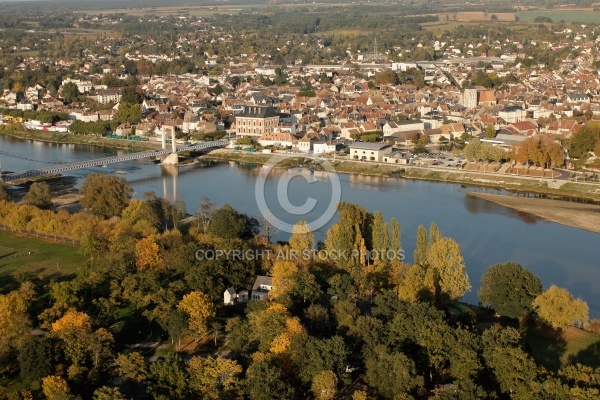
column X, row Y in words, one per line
column 488, row 233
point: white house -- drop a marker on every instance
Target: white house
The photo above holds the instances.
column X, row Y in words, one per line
column 261, row 288
column 323, row 147
column 369, row 151
column 512, row 114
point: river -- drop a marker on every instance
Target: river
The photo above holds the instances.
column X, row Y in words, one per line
column 488, row 233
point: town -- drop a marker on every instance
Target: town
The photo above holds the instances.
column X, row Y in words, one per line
column 129, row 282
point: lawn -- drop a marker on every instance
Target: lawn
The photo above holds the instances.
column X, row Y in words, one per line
column 36, row 256
column 556, row 348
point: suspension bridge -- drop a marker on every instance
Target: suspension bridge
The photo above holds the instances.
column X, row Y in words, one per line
column 58, row 167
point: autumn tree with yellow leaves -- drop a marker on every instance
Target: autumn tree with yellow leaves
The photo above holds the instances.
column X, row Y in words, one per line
column 200, row 309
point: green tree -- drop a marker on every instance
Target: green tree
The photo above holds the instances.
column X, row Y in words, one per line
column 584, row 139
column 391, row 373
column 342, row 286
column 514, row 370
column 129, row 112
column 264, row 380
column 108, row 393
column 490, row 131
column 39, row 195
column 169, row 378
column 105, row 195
column 70, row 92
column 558, row 308
column 509, row 289
column 130, row 95
column 36, row 360
column 324, row 385
column 227, row 223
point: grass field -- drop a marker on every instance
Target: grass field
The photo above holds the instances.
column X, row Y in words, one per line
column 34, row 256
column 582, row 15
column 554, row 349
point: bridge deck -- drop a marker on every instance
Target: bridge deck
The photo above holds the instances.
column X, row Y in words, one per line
column 110, row 160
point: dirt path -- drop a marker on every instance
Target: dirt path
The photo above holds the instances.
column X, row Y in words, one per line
column 577, row 215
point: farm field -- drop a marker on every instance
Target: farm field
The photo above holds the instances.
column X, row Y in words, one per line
column 582, row 15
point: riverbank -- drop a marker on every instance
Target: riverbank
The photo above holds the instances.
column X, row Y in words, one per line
column 577, row 215
column 499, row 181
column 71, row 138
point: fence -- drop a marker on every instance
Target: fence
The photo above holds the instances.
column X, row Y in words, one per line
column 55, row 238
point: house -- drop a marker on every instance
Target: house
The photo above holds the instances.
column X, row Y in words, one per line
column 512, row 114
column 256, row 121
column 323, row 147
column 277, row 138
column 578, row 98
column 105, row 96
column 229, row 297
column 261, row 288
column 369, row 151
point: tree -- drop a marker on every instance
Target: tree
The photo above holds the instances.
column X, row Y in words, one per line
column 446, row 275
column 420, row 253
column 509, row 289
column 584, row 139
column 199, row 308
column 108, row 393
column 302, row 239
column 264, row 381
column 70, row 92
column 36, row 360
column 130, row 95
column 390, row 373
column 14, row 321
column 214, row 378
column 558, row 308
column 105, row 195
column 127, row 112
column 147, row 254
column 169, row 378
column 490, row 131
column 55, row 387
column 283, row 279
column 3, row 193
column 131, row 368
column 227, row 223
column 39, row 195
column 324, row 385
column 205, row 210
column 513, row 369
column 386, row 77
column 381, row 239
column 342, row 286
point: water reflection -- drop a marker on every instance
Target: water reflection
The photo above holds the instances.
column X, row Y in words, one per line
column 475, row 205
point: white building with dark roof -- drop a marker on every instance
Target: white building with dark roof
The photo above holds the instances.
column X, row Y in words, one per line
column 369, row 151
